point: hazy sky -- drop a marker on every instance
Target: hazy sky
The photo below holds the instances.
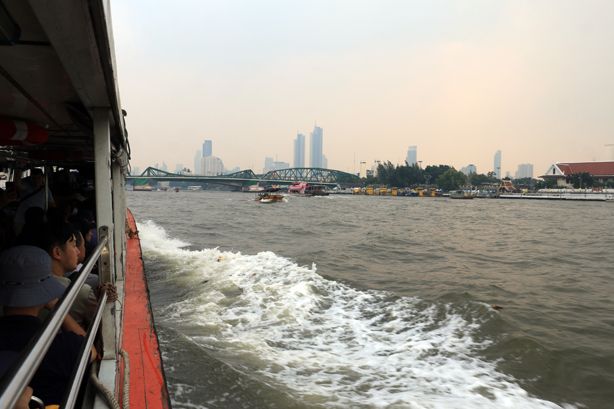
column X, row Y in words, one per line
column 459, row 79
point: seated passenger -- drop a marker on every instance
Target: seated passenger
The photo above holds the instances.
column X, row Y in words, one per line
column 60, row 243
column 92, row 278
column 32, row 195
column 26, row 286
column 7, row 358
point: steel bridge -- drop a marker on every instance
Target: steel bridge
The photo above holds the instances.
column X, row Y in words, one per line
column 316, row 176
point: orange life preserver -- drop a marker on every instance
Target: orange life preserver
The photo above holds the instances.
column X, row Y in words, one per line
column 18, row 132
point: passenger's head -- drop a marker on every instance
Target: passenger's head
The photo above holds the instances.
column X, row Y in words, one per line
column 86, row 227
column 37, row 177
column 80, row 246
column 60, row 242
column 25, row 278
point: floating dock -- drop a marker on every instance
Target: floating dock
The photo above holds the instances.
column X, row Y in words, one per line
column 591, row 197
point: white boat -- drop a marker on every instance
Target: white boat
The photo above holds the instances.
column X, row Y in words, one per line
column 195, row 188
column 461, row 194
column 255, row 189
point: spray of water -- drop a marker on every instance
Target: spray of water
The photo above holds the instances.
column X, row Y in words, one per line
column 326, row 341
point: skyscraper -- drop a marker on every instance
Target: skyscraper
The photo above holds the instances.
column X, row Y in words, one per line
column 469, row 169
column 497, row 165
column 211, row 166
column 525, row 170
column 299, row 151
column 198, row 157
column 316, row 147
column 207, row 148
column 412, row 155
column 270, row 164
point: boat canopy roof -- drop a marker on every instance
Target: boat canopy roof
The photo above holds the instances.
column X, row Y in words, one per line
column 57, row 65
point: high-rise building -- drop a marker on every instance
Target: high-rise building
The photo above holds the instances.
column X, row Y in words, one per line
column 469, row 169
column 198, row 158
column 211, row 166
column 497, row 165
column 363, row 170
column 525, row 170
column 270, row 164
column 207, row 148
column 412, row 155
column 316, row 147
column 299, row 151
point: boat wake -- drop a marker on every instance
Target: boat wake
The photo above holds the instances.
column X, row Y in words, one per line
column 323, row 341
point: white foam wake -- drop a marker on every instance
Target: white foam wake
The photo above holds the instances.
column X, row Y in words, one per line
column 328, row 342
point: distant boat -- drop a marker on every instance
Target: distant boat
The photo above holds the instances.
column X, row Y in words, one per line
column 268, row 197
column 305, row 189
column 254, row 188
column 316, row 190
column 142, row 188
column 461, row 194
column 487, row 194
column 298, row 187
column 195, row 188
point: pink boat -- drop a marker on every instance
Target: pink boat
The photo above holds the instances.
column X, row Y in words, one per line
column 298, row 187
column 305, row 189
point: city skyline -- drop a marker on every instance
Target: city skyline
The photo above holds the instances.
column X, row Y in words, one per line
column 459, row 80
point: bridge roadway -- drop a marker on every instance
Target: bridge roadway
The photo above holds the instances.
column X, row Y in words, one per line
column 319, row 176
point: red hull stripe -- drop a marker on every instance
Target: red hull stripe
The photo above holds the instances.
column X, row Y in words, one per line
column 147, row 385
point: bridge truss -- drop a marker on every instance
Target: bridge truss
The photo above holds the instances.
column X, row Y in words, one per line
column 320, row 176
column 309, row 175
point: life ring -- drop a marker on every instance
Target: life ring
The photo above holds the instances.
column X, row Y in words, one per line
column 16, row 132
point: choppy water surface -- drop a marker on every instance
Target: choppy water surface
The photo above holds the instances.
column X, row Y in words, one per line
column 366, row 302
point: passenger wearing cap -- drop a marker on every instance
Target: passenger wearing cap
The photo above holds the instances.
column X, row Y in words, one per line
column 26, row 286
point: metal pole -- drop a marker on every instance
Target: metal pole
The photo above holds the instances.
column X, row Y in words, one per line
column 104, row 194
column 69, row 402
column 104, row 216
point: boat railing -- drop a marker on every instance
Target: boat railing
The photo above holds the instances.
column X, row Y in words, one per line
column 24, row 369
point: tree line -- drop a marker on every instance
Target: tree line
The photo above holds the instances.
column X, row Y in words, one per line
column 447, row 178
column 442, row 176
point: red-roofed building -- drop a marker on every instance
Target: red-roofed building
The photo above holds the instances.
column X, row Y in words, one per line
column 561, row 172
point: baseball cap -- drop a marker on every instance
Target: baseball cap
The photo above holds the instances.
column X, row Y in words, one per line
column 26, row 279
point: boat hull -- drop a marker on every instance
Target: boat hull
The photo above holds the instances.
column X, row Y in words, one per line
column 147, row 380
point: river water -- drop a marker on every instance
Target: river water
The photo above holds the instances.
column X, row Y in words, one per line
column 380, row 302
